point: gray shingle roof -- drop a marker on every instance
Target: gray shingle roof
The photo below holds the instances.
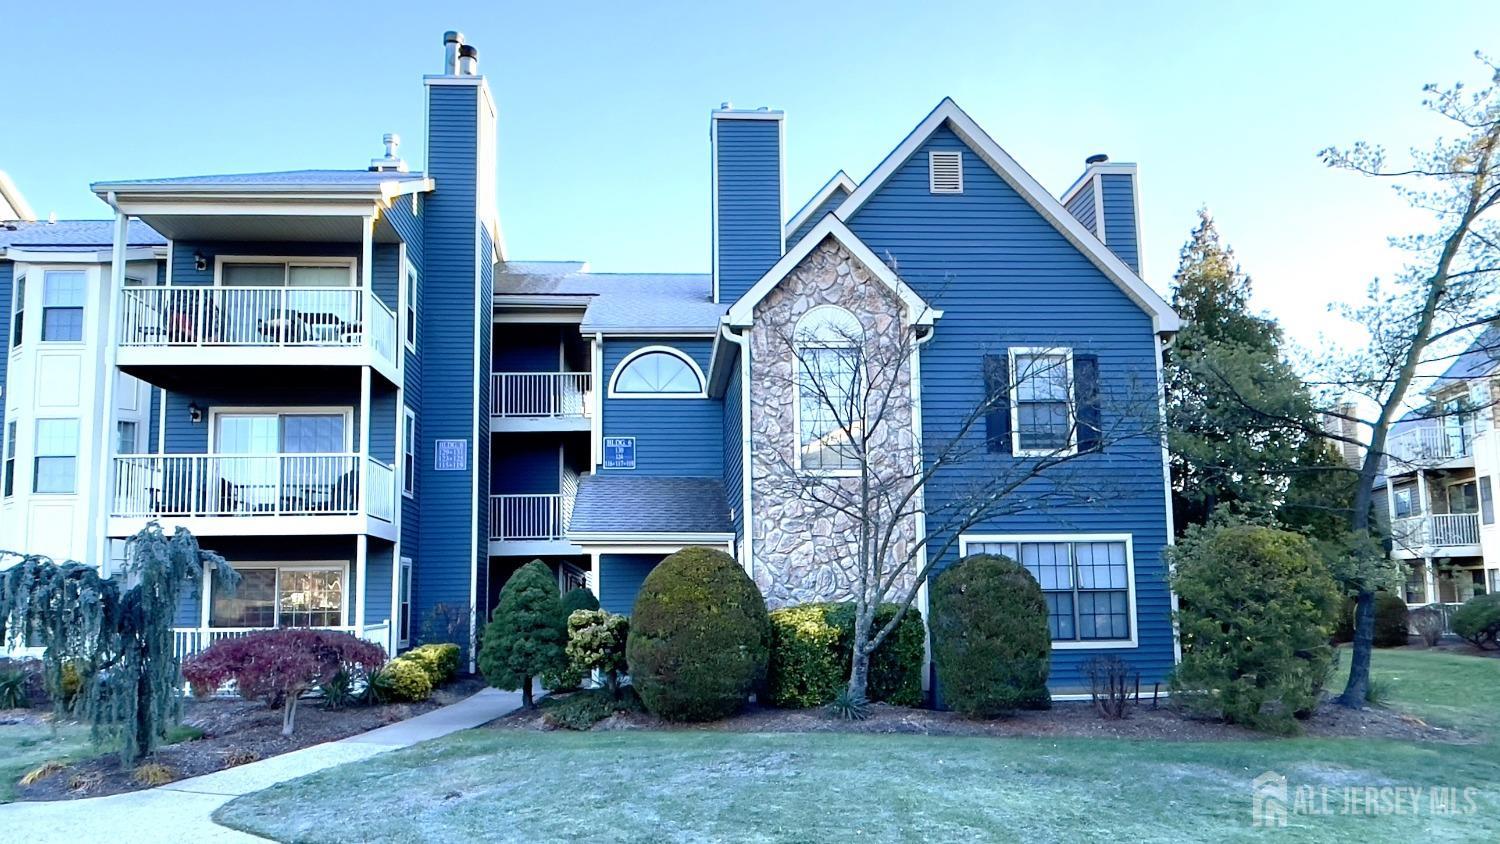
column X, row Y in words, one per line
column 1478, row 359
column 279, row 177
column 619, row 503
column 619, row 301
column 74, row 233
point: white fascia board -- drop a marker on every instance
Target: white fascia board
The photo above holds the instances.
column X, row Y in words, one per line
column 83, row 256
column 747, row 114
column 622, row 332
column 257, row 206
column 742, row 312
column 645, row 538
column 839, row 180
column 1163, row 318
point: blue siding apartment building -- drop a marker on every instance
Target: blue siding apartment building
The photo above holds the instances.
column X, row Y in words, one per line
column 340, row 381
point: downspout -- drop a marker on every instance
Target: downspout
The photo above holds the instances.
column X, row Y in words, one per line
column 730, row 335
column 921, row 502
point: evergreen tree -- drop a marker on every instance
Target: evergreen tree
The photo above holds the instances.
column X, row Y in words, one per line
column 1236, row 412
column 525, row 638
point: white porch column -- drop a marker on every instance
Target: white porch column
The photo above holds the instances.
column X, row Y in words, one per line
column 1390, row 499
column 1430, row 576
column 97, row 533
column 367, row 281
column 594, row 581
column 361, row 555
column 206, row 607
column 1422, row 493
column 363, row 491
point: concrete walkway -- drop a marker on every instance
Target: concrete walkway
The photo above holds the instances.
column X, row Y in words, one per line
column 181, row 811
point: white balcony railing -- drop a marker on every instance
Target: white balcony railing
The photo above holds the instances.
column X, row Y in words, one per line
column 264, row 317
column 1431, row 444
column 186, row 485
column 527, row 517
column 540, row 394
column 187, row 641
column 1435, row 531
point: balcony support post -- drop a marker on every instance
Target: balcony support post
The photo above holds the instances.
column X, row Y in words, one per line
column 367, row 282
column 105, row 436
column 1430, row 574
column 361, row 558
column 1422, row 493
column 206, row 608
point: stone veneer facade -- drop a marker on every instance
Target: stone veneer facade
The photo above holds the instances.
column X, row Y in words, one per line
column 805, row 551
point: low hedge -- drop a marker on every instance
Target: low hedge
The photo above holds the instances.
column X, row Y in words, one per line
column 439, row 660
column 1392, row 622
column 403, row 680
column 1478, row 621
column 811, row 649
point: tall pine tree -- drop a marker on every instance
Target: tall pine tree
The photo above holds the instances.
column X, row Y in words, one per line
column 1237, row 414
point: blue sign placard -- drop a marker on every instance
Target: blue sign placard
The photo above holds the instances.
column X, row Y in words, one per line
column 450, row 455
column 619, row 452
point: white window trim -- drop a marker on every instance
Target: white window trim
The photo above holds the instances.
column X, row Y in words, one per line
column 852, row 472
column 404, row 573
column 36, row 441
column 407, row 288
column 932, row 156
column 646, row 350
column 347, row 411
column 409, row 429
column 341, row 566
column 289, row 261
column 19, row 287
column 1014, row 389
column 41, row 309
column 965, row 539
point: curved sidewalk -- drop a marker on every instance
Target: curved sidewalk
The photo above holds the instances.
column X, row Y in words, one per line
column 182, row 810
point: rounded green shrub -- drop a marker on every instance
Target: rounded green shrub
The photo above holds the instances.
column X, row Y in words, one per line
column 812, row 646
column 403, row 679
column 596, row 642
column 578, row 598
column 1478, row 621
column 989, row 637
column 439, row 660
column 1392, row 621
column 1258, row 609
column 699, row 637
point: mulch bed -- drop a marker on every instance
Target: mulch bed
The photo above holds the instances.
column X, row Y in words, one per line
column 1065, row 719
column 236, row 732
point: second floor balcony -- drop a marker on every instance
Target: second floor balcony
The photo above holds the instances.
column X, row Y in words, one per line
column 1431, row 446
column 541, row 401
column 203, row 325
column 254, row 494
column 1437, row 534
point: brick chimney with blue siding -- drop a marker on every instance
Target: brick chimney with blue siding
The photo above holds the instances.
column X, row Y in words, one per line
column 458, row 221
column 747, row 197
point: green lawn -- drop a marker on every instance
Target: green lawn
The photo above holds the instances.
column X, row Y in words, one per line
column 23, row 747
column 695, row 786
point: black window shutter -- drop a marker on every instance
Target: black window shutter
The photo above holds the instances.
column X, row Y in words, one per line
column 997, row 396
column 1086, row 402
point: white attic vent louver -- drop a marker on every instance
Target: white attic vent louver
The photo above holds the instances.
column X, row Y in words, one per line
column 945, row 172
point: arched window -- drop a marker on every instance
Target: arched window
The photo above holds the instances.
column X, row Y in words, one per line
column 829, row 344
column 657, row 372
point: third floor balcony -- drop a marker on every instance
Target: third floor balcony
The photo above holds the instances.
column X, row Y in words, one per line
column 541, row 401
column 1431, row 446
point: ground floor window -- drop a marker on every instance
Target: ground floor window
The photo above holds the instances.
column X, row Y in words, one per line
column 1085, row 580
column 289, row 596
column 1416, row 585
column 403, row 606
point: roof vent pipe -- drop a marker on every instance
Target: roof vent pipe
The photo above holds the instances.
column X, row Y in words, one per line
column 468, row 61
column 452, row 40
column 392, row 161
column 1096, row 158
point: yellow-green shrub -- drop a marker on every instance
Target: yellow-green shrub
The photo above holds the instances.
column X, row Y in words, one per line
column 439, row 660
column 403, row 679
column 811, row 649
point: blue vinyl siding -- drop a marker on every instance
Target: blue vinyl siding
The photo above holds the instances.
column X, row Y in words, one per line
column 1005, row 277
column 404, row 219
column 386, row 274
column 1119, row 218
column 1081, row 206
column 621, row 576
column 153, row 423
column 526, row 464
column 832, row 201
column 7, row 291
column 486, row 296
column 449, row 395
column 187, row 437
column 377, row 583
column 673, row 437
column 748, row 198
column 383, row 414
column 528, row 348
column 734, row 453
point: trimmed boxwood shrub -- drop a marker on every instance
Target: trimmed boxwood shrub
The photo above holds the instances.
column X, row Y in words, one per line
column 578, row 598
column 439, row 660
column 403, row 680
column 1392, row 624
column 812, row 645
column 1478, row 621
column 699, row 637
column 989, row 637
column 1258, row 608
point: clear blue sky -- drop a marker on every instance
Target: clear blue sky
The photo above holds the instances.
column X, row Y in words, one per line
column 604, row 107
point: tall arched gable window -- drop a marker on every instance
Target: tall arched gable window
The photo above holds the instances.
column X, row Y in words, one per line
column 657, row 372
column 829, row 345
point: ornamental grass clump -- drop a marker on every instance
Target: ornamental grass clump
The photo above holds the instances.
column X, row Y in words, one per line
column 277, row 666
column 526, row 635
column 1258, row 607
column 990, row 638
column 699, row 637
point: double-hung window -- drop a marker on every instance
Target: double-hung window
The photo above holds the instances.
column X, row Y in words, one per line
column 403, row 605
column 56, row 466
column 409, row 452
column 410, row 306
column 10, row 459
column 1085, row 580
column 18, row 311
column 1042, row 410
column 63, row 294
